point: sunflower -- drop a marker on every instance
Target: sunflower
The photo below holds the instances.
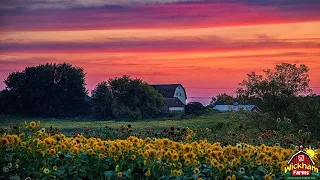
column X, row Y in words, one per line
column 42, row 153
column 133, row 157
column 145, row 155
column 187, row 162
column 119, row 174
column 63, row 146
column 214, row 163
column 4, row 141
column 195, row 162
column 179, row 172
column 148, row 173
column 152, row 153
column 22, row 135
column 165, row 142
column 233, row 177
column 32, row 125
column 267, row 177
column 228, row 171
column 239, row 146
column 75, row 150
column 246, row 157
column 29, row 149
column 187, row 148
column 220, row 167
column 43, row 130
column 275, row 157
column 174, row 156
column 189, row 155
column 46, row 171
column 242, row 171
column 113, row 148
column 196, row 171
column 258, row 162
column 90, row 152
column 54, row 168
column 174, row 172
column 101, row 156
column 52, row 152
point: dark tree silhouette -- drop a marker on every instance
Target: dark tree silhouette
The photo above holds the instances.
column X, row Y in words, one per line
column 127, row 99
column 195, row 108
column 56, row 90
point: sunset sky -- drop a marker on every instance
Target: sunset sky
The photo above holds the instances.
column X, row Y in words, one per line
column 208, row 46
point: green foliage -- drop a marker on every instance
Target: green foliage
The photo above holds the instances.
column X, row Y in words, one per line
column 280, row 94
column 305, row 112
column 127, row 99
column 223, row 99
column 275, row 90
column 101, row 101
column 195, row 108
column 56, row 90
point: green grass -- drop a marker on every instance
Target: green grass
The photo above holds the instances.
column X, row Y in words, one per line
column 68, row 124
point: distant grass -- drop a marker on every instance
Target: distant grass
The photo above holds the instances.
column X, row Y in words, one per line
column 69, row 124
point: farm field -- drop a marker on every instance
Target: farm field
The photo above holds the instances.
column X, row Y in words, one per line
column 33, row 151
column 68, row 124
column 228, row 128
column 218, row 145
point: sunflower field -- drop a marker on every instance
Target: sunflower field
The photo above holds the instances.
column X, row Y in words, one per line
column 39, row 154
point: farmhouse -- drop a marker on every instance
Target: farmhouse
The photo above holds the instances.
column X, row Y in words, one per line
column 235, row 108
column 175, row 96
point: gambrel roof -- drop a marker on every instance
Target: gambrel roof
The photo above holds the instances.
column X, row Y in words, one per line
column 167, row 90
column 173, row 102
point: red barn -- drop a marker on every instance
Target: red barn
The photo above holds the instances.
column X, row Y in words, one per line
column 301, row 164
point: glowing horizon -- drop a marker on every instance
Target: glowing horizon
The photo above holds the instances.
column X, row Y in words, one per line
column 207, row 46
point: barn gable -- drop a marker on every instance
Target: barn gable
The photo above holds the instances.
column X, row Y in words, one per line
column 294, row 158
column 168, row 90
column 174, row 96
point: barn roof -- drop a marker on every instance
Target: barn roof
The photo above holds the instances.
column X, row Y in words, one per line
column 234, row 107
column 301, row 152
column 167, row 90
column 173, row 102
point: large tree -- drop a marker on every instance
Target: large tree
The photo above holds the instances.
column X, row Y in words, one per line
column 274, row 90
column 126, row 98
column 102, row 100
column 56, row 90
column 195, row 108
column 224, row 99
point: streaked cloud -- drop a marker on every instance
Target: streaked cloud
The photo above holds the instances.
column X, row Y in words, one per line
column 166, row 16
column 70, row 4
column 209, row 44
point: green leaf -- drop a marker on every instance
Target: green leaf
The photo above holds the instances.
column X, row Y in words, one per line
column 68, row 156
column 105, row 166
column 127, row 174
column 109, row 173
column 14, row 178
column 206, row 170
column 195, row 176
column 262, row 169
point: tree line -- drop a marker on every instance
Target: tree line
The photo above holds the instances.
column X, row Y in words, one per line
column 281, row 93
column 58, row 90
